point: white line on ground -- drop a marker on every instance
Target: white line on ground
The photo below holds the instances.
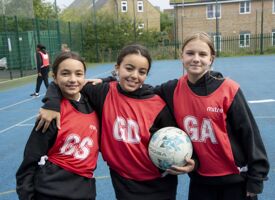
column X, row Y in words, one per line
column 262, row 101
column 18, row 124
column 25, row 125
column 26, row 100
column 7, row 192
column 101, row 177
column 265, row 117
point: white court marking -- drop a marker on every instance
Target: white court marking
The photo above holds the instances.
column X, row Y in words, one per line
column 25, row 124
column 18, row 124
column 26, row 100
column 262, row 101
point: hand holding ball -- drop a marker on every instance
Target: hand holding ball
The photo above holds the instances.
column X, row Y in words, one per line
column 170, row 146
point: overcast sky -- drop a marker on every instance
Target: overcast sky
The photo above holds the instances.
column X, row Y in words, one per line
column 163, row 4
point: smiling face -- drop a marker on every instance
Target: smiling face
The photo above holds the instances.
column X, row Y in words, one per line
column 132, row 72
column 70, row 78
column 197, row 59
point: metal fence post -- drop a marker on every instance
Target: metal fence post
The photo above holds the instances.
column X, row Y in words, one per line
column 81, row 35
column 18, row 46
column 175, row 31
column 70, row 34
column 95, row 29
column 58, row 34
column 49, row 39
column 262, row 29
column 217, row 30
column 6, row 46
column 37, row 30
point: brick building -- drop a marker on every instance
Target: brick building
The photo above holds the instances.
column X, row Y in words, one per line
column 240, row 18
column 142, row 12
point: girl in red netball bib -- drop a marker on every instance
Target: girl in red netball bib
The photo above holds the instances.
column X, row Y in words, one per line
column 59, row 164
column 232, row 159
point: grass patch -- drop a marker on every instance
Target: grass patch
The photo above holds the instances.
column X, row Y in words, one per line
column 9, row 84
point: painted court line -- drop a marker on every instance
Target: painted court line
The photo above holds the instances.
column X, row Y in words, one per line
column 262, row 101
column 25, row 125
column 26, row 100
column 265, row 117
column 7, row 192
column 18, row 124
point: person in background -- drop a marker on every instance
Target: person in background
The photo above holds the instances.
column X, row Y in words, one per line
column 60, row 163
column 65, row 48
column 212, row 109
column 42, row 65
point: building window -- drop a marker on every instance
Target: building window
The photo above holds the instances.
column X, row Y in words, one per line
column 273, row 7
column 140, row 6
column 245, row 40
column 245, row 7
column 273, row 38
column 211, row 11
column 141, row 26
column 217, row 38
column 124, row 6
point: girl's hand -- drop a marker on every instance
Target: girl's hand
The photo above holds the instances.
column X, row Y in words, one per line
column 94, row 81
column 188, row 167
column 249, row 194
column 45, row 117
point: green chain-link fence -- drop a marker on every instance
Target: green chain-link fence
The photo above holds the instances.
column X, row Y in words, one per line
column 19, row 37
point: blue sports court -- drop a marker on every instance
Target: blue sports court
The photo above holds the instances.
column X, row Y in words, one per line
column 18, row 112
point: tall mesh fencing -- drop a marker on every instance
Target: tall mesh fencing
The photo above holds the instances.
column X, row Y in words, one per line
column 19, row 37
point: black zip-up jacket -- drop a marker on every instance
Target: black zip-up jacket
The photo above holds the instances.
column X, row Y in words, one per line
column 57, row 182
column 160, row 188
column 245, row 139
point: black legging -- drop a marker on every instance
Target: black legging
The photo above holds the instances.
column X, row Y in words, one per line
column 44, row 72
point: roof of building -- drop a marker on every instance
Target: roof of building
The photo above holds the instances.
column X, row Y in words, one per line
column 187, row 2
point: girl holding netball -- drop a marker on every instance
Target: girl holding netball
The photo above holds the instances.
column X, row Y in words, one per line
column 59, row 165
column 225, row 136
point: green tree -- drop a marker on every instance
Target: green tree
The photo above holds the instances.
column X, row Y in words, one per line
column 44, row 10
column 110, row 34
column 166, row 27
column 22, row 8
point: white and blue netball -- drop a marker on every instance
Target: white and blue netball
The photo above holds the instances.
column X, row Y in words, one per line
column 170, row 146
